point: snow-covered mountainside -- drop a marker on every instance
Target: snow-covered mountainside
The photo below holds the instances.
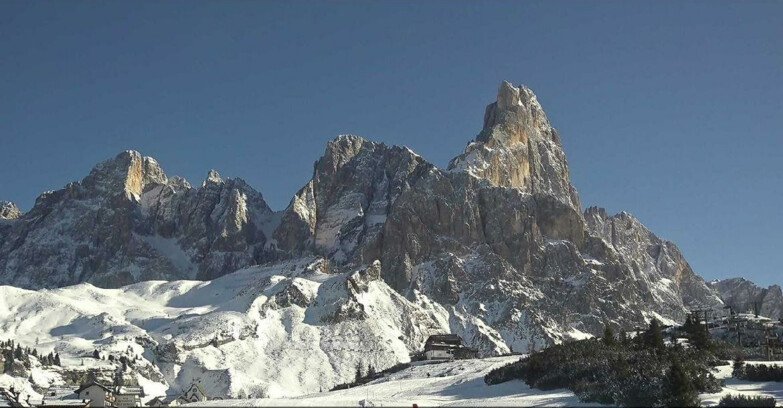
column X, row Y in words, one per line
column 495, row 248
column 743, row 296
column 234, row 333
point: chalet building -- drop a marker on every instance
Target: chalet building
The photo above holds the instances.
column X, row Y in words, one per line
column 194, row 393
column 128, row 397
column 157, row 402
column 99, row 395
column 447, row 347
column 63, row 397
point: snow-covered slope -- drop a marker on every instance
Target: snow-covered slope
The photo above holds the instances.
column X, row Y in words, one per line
column 235, row 333
column 457, row 383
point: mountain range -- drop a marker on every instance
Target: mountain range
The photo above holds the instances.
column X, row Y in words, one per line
column 380, row 249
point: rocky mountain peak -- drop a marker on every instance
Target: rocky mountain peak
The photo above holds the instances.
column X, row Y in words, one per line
column 743, row 296
column 9, row 211
column 340, row 151
column 212, row 177
column 518, row 148
column 128, row 172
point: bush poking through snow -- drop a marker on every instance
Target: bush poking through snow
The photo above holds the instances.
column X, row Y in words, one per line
column 758, row 372
column 745, row 401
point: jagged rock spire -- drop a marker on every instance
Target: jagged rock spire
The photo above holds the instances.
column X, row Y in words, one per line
column 128, row 172
column 518, row 148
column 9, row 211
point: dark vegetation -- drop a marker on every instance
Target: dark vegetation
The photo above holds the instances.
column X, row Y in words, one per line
column 756, row 372
column 15, row 353
column 642, row 371
column 743, row 401
column 363, row 377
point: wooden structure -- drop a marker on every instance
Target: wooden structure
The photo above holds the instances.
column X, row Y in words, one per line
column 447, row 347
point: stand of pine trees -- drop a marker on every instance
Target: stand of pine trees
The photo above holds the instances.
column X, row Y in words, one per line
column 642, row 371
column 12, row 353
column 757, row 372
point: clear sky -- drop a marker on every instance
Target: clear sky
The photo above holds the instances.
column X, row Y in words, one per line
column 669, row 110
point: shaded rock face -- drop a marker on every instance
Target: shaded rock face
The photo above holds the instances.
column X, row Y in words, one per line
column 743, row 295
column 127, row 222
column 342, row 211
column 495, row 248
column 655, row 263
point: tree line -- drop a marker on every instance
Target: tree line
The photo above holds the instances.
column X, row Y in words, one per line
column 622, row 370
column 14, row 352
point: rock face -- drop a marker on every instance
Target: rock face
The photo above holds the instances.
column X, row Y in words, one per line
column 127, row 222
column 745, row 296
column 519, row 148
column 498, row 240
column 9, row 211
column 495, row 248
column 342, row 211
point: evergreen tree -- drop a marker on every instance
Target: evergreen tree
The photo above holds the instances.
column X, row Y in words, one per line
column 680, row 391
column 653, row 337
column 688, row 326
column 738, row 369
column 9, row 362
column 608, row 339
column 624, row 340
column 358, row 372
column 96, row 355
column 18, row 353
column 370, row 371
column 697, row 335
column 57, row 360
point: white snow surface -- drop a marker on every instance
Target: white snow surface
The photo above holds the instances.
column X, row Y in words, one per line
column 456, row 383
column 740, row 387
column 235, row 333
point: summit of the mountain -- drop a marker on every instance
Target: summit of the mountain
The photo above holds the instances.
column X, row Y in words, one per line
column 9, row 211
column 126, row 221
column 519, row 148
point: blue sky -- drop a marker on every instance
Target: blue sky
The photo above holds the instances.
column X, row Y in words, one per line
column 669, row 110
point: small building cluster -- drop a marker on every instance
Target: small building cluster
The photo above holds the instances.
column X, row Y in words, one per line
column 93, row 394
column 749, row 330
column 447, row 347
column 194, row 393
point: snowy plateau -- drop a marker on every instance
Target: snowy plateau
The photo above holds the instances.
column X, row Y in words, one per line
column 378, row 251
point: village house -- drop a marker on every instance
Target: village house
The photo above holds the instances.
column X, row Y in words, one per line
column 194, row 393
column 98, row 394
column 63, row 396
column 127, row 397
column 447, row 347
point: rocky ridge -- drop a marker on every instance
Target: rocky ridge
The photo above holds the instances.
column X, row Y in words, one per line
column 128, row 222
column 497, row 243
column 743, row 296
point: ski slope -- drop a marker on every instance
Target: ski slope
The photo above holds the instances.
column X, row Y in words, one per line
column 456, row 383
